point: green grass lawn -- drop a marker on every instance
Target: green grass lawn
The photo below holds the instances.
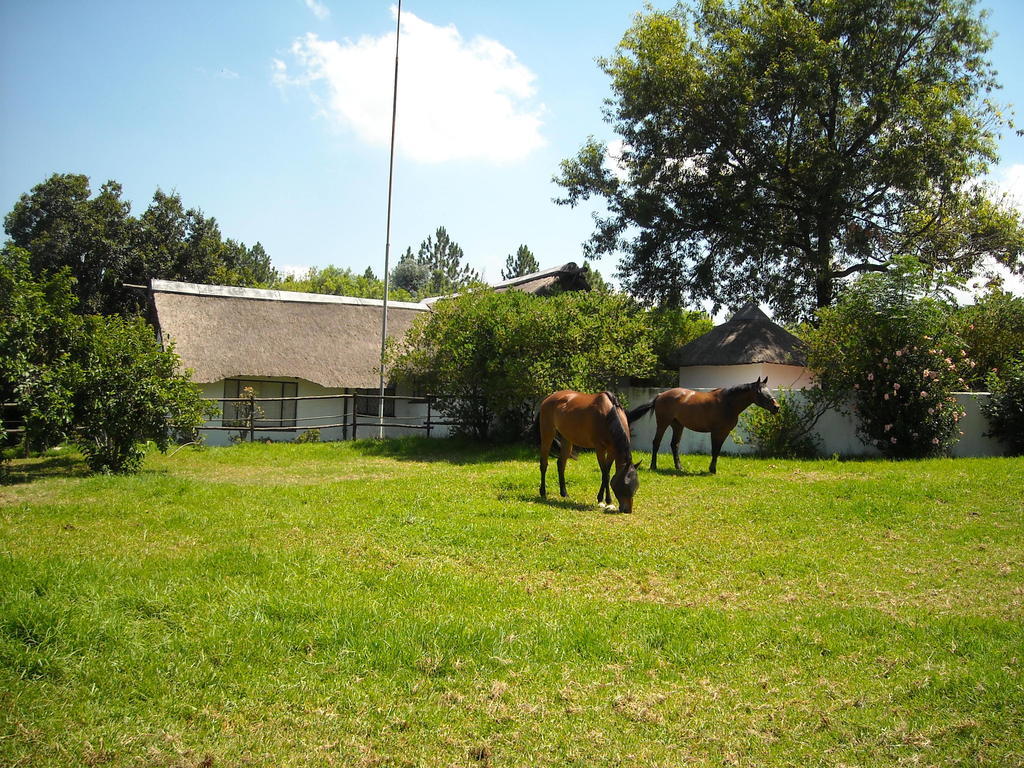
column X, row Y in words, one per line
column 415, row 603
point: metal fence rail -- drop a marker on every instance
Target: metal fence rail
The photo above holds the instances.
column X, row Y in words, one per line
column 249, row 414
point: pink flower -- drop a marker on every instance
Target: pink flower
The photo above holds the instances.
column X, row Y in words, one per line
column 935, row 441
column 931, row 411
column 871, row 377
column 923, row 393
column 885, row 396
column 856, row 386
column 885, row 359
column 896, row 386
column 899, row 353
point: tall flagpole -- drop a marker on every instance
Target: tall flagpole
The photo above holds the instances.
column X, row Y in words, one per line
column 387, row 246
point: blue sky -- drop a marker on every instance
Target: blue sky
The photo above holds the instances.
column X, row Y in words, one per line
column 251, row 111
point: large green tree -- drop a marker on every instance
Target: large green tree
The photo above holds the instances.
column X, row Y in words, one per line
column 103, row 382
column 770, row 149
column 444, row 258
column 522, row 263
column 63, row 226
column 409, row 274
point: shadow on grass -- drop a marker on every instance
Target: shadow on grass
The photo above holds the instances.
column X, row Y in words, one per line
column 451, row 450
column 671, row 471
column 43, row 467
column 575, row 506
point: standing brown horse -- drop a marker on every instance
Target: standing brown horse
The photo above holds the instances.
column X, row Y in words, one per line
column 716, row 412
column 589, row 421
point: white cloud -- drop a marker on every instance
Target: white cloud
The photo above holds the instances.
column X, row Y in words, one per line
column 457, row 99
column 1010, row 181
column 319, row 10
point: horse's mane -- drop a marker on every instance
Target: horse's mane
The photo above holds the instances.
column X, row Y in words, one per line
column 737, row 388
column 620, row 438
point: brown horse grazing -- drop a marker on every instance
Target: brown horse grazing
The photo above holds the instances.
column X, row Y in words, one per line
column 716, row 412
column 589, row 421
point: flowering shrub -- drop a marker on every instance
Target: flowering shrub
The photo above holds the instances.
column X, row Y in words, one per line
column 1005, row 408
column 904, row 403
column 886, row 352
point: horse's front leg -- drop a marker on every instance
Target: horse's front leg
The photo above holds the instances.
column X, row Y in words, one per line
column 604, row 494
column 717, row 438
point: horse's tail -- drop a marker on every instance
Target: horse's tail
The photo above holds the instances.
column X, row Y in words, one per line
column 640, row 411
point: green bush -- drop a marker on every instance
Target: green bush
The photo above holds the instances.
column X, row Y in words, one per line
column 129, row 392
column 788, row 434
column 309, row 436
column 1005, row 408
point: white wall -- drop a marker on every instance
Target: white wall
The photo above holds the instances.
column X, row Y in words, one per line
column 711, row 376
column 838, row 433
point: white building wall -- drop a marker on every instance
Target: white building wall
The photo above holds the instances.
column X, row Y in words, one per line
column 838, row 433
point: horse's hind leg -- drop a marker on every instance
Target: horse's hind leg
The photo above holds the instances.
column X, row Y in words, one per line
column 563, row 456
column 677, row 433
column 658, row 434
column 546, row 436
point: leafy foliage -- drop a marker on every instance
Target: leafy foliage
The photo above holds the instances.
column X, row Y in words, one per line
column 1005, row 408
column 343, row 282
column 102, row 381
column 785, row 146
column 993, row 331
column 523, row 263
column 409, row 274
column 788, row 434
column 498, row 354
column 670, row 329
column 103, row 246
column 892, row 349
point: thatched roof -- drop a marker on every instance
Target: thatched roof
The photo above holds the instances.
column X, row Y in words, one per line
column 223, row 332
column 748, row 337
column 568, row 277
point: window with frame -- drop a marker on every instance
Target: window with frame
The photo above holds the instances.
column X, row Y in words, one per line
column 279, row 413
column 367, row 402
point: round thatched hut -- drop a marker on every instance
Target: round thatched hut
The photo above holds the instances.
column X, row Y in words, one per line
column 740, row 350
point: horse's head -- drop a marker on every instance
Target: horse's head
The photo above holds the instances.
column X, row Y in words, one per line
column 763, row 397
column 625, row 483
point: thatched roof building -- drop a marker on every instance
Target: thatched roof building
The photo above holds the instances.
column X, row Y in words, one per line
column 749, row 344
column 567, row 277
column 749, row 336
column 223, row 332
